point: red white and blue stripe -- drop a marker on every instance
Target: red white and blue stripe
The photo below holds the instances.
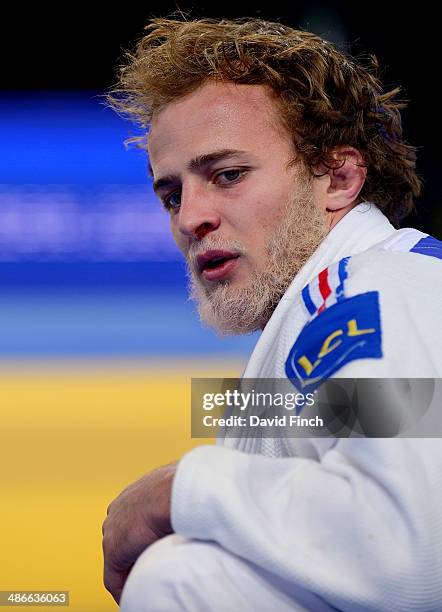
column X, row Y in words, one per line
column 326, row 289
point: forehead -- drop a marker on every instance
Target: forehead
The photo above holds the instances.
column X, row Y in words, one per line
column 216, row 116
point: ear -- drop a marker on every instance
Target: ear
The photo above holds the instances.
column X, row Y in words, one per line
column 346, row 179
column 336, row 190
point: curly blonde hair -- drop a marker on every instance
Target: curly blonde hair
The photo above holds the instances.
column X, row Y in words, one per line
column 326, row 98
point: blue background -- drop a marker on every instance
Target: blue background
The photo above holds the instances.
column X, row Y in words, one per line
column 87, row 263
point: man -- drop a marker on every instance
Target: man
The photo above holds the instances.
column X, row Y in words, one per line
column 281, row 162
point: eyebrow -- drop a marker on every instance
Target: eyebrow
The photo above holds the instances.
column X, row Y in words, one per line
column 197, row 163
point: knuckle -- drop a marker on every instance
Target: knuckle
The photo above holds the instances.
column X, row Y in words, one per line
column 106, row 535
column 108, row 547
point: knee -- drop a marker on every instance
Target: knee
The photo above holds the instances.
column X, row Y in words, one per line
column 180, row 575
column 158, row 575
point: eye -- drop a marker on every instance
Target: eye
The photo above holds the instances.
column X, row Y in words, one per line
column 227, row 177
column 173, row 200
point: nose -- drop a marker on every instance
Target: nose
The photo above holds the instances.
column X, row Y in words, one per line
column 198, row 215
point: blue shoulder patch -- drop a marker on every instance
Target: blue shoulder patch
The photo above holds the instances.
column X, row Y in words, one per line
column 348, row 330
column 428, row 246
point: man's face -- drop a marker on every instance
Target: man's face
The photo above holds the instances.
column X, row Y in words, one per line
column 243, row 217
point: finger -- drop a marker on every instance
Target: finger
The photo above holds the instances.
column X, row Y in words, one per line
column 114, row 581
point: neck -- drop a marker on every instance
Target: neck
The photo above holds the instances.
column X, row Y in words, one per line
column 334, row 216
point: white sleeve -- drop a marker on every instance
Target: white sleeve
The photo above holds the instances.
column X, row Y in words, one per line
column 362, row 529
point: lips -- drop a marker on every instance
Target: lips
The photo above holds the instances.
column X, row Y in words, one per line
column 215, row 265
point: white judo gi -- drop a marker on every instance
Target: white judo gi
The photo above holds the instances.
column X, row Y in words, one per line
column 319, row 524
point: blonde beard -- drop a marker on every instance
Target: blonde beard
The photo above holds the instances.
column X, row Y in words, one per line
column 249, row 308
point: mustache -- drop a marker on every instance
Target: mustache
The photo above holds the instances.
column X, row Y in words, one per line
column 212, row 243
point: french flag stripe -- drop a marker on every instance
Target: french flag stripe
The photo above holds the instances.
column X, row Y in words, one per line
column 342, row 276
column 333, row 281
column 315, row 294
column 327, row 288
column 324, row 287
column 308, row 300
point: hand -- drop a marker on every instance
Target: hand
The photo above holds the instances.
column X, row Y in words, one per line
column 139, row 516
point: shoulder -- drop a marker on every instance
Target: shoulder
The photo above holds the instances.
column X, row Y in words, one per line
column 377, row 313
column 407, row 264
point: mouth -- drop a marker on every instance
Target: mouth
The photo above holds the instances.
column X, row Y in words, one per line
column 216, row 265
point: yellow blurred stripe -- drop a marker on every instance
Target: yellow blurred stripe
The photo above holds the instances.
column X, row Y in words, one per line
column 72, row 436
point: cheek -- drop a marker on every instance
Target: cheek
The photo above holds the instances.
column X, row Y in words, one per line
column 269, row 212
column 180, row 240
